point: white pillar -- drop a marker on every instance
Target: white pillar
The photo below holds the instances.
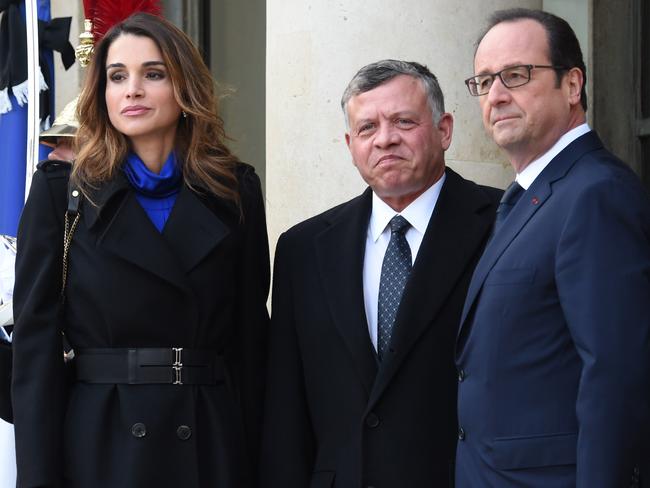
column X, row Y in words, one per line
column 313, row 50
column 67, row 82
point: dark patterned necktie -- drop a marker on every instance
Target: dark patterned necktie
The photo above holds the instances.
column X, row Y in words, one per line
column 394, row 273
column 508, row 201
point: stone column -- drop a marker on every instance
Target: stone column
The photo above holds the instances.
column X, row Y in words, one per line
column 68, row 83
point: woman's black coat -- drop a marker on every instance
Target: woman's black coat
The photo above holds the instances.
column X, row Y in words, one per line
column 201, row 284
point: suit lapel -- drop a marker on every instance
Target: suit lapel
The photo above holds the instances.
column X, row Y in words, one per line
column 340, row 252
column 530, row 202
column 455, row 231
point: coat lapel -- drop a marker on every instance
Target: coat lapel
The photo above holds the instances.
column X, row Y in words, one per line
column 131, row 236
column 340, row 252
column 455, row 231
column 530, row 202
column 193, row 231
column 125, row 230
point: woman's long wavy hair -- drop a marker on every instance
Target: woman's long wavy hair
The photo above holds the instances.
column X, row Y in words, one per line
column 207, row 164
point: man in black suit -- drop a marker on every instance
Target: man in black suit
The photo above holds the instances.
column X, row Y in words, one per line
column 367, row 298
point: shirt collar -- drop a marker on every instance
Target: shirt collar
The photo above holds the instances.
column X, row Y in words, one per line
column 418, row 213
column 532, row 171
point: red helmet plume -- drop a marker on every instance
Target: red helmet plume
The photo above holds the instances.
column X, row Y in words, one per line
column 106, row 13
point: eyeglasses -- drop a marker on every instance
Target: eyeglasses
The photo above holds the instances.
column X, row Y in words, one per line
column 511, row 77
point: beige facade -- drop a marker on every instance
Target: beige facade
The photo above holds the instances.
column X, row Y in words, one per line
column 67, row 82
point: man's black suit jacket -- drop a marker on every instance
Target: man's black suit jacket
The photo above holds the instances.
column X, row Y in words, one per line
column 335, row 416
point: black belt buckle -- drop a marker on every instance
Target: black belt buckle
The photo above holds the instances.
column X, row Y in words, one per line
column 178, row 365
column 150, row 365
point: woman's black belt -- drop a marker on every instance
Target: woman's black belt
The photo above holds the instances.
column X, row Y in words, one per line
column 149, row 365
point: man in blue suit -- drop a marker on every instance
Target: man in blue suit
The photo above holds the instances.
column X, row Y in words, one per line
column 553, row 354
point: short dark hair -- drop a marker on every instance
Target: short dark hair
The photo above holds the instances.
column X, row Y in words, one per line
column 563, row 45
column 375, row 74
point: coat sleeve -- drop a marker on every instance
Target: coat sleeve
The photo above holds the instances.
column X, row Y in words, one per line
column 250, row 360
column 287, row 457
column 603, row 281
column 38, row 383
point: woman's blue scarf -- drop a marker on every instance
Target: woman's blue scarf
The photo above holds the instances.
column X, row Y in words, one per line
column 156, row 192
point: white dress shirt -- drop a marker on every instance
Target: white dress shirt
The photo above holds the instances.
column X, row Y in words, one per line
column 532, row 171
column 418, row 214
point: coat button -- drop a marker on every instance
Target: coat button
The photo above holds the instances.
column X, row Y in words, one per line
column 183, row 432
column 139, row 430
column 461, row 375
column 461, row 434
column 372, row 420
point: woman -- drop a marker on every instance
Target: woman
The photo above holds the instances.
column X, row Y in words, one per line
column 167, row 279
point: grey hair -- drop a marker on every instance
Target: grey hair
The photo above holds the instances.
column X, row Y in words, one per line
column 375, row 74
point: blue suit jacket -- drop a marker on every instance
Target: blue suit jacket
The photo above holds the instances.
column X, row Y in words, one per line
column 554, row 346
